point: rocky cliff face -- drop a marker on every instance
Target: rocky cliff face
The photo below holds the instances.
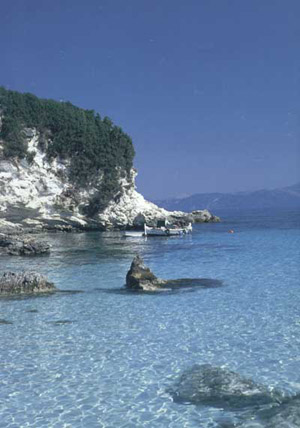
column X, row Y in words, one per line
column 38, row 194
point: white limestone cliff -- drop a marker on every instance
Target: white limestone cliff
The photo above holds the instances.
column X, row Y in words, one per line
column 39, row 195
column 132, row 209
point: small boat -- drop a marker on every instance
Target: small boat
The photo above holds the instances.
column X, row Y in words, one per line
column 133, row 234
column 167, row 231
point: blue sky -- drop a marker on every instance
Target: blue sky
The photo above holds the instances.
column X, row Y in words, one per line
column 207, row 89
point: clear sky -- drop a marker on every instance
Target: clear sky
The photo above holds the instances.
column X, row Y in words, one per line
column 207, row 89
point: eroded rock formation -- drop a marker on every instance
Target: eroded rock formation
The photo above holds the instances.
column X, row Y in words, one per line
column 24, row 283
column 39, row 195
column 141, row 278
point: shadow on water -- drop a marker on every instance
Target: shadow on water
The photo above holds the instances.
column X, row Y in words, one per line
column 69, row 291
column 39, row 295
column 172, row 286
column 5, row 322
column 183, row 283
column 61, row 322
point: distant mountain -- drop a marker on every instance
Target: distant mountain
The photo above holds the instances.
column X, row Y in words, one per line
column 286, row 197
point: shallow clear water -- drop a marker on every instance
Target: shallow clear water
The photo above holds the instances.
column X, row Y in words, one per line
column 111, row 363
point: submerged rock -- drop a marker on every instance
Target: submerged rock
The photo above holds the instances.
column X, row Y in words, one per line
column 61, row 322
column 141, row 278
column 5, row 322
column 24, row 283
column 221, row 388
column 23, row 246
column 286, row 415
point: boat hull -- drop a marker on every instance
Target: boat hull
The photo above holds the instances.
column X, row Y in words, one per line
column 133, row 234
column 165, row 231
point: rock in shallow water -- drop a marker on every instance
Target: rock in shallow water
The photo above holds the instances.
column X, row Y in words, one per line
column 21, row 247
column 221, row 388
column 26, row 248
column 140, row 278
column 24, row 283
column 286, row 415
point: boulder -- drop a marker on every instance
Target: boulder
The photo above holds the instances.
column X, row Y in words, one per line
column 141, row 278
column 221, row 388
column 24, row 283
column 204, row 216
column 23, row 246
column 28, row 248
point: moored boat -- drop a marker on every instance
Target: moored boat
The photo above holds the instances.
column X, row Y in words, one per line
column 161, row 229
column 167, row 231
column 133, row 234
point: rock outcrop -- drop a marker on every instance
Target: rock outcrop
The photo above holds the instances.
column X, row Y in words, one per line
column 9, row 228
column 24, row 283
column 38, row 195
column 222, row 388
column 141, row 278
column 204, row 216
column 23, row 246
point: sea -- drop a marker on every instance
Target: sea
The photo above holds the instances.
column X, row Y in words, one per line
column 104, row 357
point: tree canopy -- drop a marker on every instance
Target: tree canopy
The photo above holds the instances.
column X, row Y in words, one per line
column 92, row 144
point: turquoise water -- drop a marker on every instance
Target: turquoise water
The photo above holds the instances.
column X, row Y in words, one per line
column 102, row 358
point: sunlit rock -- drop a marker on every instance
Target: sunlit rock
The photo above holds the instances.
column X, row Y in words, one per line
column 204, row 216
column 141, row 278
column 24, row 283
column 39, row 195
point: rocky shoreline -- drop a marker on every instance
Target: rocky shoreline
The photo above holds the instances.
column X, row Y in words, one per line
column 38, row 196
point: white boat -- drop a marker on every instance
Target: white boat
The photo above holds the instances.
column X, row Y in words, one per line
column 133, row 234
column 167, row 231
